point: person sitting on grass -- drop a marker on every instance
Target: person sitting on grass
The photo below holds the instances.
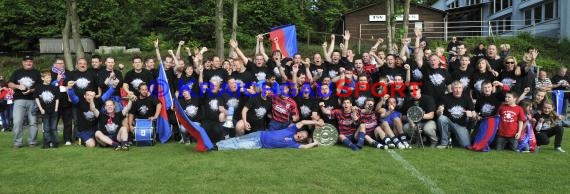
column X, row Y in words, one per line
column 112, row 129
column 86, row 120
column 347, row 118
column 548, row 125
column 290, row 137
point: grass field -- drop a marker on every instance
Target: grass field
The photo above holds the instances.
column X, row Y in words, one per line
column 176, row 168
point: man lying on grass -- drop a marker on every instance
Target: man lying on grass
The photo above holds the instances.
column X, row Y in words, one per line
column 290, row 137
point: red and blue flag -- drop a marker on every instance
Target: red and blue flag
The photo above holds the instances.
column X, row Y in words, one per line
column 527, row 139
column 165, row 98
column 196, row 131
column 287, row 38
column 485, row 134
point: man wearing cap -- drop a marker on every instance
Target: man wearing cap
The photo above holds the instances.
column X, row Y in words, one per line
column 23, row 82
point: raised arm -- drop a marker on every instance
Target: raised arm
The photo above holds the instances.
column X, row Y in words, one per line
column 92, row 107
column 178, row 49
column 234, row 45
column 325, row 110
column 276, row 42
column 328, row 55
column 157, row 48
column 261, row 47
column 346, row 38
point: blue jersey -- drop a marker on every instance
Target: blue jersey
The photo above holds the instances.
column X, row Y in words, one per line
column 280, row 138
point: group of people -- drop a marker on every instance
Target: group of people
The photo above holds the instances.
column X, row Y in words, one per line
column 278, row 101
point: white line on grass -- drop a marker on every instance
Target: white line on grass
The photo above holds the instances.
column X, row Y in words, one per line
column 426, row 180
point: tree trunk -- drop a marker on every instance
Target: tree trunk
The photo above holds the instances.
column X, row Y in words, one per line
column 389, row 26
column 65, row 33
column 234, row 26
column 75, row 31
column 220, row 28
column 406, row 17
column 393, row 11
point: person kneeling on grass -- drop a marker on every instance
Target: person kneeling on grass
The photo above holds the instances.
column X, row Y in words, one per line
column 347, row 118
column 112, row 129
column 290, row 137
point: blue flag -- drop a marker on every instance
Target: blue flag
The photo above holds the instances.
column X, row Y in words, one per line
column 164, row 97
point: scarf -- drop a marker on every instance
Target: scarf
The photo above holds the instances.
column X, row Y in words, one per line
column 111, row 116
column 60, row 72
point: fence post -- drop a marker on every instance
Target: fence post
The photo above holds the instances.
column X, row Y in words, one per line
column 359, row 37
column 445, row 28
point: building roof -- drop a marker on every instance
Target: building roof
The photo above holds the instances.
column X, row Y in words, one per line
column 411, row 4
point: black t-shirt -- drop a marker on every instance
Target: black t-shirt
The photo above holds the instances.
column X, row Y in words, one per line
column 217, row 74
column 144, row 108
column 435, row 81
column 516, row 83
column 28, row 78
column 391, row 73
column 104, row 74
column 259, row 73
column 47, row 94
column 307, row 106
column 86, row 120
column 416, row 74
column 243, row 78
column 556, row 79
column 192, row 108
column 455, row 108
column 189, row 82
column 463, row 76
column 211, row 105
column 112, row 126
column 331, row 103
column 63, row 98
column 361, row 98
column 258, row 108
column 235, row 100
column 134, row 79
column 83, row 81
column 477, row 80
column 487, row 106
column 425, row 102
column 496, row 64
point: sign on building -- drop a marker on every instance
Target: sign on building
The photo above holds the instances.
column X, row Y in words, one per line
column 382, row 18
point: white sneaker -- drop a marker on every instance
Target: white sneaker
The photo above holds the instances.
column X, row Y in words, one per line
column 401, row 146
column 559, row 149
column 67, row 143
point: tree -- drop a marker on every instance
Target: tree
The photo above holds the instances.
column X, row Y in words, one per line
column 75, row 29
column 220, row 28
column 234, row 24
column 406, row 17
column 389, row 25
column 65, row 33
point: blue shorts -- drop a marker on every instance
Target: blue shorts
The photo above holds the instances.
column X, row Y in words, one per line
column 85, row 135
column 390, row 118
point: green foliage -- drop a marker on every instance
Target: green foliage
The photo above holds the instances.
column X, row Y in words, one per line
column 176, row 168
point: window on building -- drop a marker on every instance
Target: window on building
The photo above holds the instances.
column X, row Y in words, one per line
column 550, row 10
column 473, row 2
column 502, row 25
column 453, row 4
column 499, row 5
column 538, row 14
column 528, row 17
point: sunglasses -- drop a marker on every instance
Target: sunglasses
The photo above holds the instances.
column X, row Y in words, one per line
column 510, row 62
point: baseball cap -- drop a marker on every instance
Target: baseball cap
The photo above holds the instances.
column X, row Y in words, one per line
column 27, row 57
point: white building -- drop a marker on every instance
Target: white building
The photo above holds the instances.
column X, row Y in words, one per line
column 507, row 17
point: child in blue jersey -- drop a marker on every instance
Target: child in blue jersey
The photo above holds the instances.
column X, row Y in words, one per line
column 290, row 137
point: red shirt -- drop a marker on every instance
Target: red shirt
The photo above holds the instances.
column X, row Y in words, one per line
column 283, row 108
column 345, row 123
column 510, row 117
column 369, row 120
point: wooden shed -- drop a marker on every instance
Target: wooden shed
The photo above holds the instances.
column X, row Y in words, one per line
column 369, row 22
column 55, row 45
